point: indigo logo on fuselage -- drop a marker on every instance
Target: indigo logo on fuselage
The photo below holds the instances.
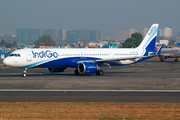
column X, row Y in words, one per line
column 152, row 30
column 44, row 54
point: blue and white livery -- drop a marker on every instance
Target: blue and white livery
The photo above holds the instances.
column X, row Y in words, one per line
column 86, row 61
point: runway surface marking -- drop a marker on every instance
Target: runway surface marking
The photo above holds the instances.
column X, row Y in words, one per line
column 14, row 90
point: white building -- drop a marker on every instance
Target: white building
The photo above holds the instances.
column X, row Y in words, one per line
column 165, row 32
column 165, row 42
column 63, row 34
column 123, row 34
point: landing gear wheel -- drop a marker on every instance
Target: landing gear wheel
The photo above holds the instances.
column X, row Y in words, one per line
column 99, row 72
column 161, row 60
column 24, row 75
column 24, row 72
column 176, row 60
column 76, row 72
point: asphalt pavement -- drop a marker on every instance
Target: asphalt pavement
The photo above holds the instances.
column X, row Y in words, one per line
column 113, row 86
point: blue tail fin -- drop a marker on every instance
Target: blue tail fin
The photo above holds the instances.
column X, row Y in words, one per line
column 159, row 51
column 149, row 40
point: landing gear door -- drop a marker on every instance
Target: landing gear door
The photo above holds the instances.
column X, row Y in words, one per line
column 28, row 56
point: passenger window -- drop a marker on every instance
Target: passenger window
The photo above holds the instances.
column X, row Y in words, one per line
column 15, row 55
column 19, row 55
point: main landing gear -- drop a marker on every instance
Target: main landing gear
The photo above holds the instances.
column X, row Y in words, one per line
column 76, row 72
column 24, row 72
column 161, row 60
column 99, row 72
column 176, row 60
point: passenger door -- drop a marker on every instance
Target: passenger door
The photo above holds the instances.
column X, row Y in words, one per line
column 110, row 54
column 28, row 56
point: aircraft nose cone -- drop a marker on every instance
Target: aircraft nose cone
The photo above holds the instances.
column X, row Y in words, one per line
column 5, row 61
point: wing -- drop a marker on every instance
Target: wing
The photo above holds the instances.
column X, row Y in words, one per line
column 117, row 60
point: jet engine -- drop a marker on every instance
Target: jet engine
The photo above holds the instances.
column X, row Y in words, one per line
column 87, row 68
column 163, row 58
column 59, row 69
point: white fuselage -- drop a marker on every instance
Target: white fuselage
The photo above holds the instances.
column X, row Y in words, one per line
column 171, row 52
column 37, row 57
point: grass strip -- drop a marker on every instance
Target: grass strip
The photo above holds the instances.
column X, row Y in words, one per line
column 95, row 111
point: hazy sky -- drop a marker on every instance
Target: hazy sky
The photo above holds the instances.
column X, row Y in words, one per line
column 104, row 15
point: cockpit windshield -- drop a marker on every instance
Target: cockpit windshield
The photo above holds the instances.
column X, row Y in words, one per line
column 15, row 55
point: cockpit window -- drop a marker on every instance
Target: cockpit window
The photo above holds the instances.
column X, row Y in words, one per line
column 15, row 55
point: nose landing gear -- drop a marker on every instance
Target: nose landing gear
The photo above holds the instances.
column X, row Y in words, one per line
column 24, row 72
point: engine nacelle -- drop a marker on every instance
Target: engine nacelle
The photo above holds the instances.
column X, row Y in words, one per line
column 87, row 68
column 60, row 69
column 163, row 57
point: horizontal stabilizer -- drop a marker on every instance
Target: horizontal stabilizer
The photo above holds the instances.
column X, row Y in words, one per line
column 159, row 51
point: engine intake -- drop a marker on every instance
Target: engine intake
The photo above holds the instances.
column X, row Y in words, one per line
column 87, row 68
column 163, row 58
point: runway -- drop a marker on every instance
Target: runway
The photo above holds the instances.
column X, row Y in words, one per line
column 89, row 96
column 146, row 75
column 141, row 82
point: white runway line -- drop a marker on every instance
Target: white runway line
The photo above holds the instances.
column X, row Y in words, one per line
column 15, row 90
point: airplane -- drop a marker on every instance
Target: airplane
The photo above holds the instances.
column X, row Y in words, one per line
column 169, row 53
column 86, row 61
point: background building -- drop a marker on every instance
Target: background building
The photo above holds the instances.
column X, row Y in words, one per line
column 145, row 31
column 53, row 33
column 29, row 35
column 94, row 35
column 165, row 42
column 165, row 32
column 72, row 36
column 85, row 35
column 123, row 34
column 9, row 38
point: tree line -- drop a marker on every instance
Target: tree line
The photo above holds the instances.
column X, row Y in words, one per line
column 134, row 41
column 46, row 40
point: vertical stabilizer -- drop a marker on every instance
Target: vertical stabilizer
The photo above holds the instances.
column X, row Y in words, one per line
column 149, row 40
